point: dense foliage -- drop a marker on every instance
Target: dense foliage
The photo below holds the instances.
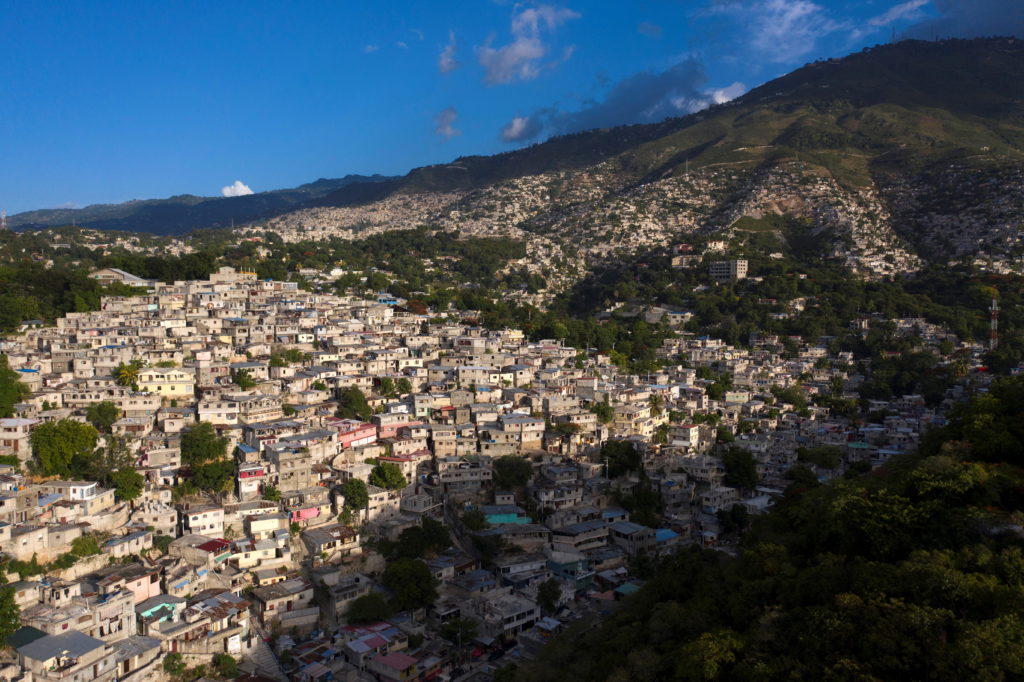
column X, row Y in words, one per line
column 11, row 390
column 63, row 448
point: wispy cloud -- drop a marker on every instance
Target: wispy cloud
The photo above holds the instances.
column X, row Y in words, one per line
column 370, row 48
column 446, row 61
column 416, row 32
column 778, row 31
column 444, row 123
column 521, row 59
column 238, row 189
column 643, row 97
column 904, row 10
column 788, row 29
column 649, row 29
column 402, row 44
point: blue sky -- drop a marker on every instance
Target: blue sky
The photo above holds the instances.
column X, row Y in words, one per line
column 107, row 101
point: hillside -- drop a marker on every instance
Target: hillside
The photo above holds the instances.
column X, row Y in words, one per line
column 186, row 212
column 901, row 154
column 911, row 573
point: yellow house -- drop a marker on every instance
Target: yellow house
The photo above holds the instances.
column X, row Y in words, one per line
column 169, row 382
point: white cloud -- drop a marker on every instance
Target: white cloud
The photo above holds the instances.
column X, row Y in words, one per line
column 402, row 44
column 446, row 61
column 520, row 59
column 416, row 32
column 370, row 48
column 778, row 30
column 643, row 97
column 904, row 10
column 239, row 189
column 444, row 123
column 726, row 94
column 521, row 128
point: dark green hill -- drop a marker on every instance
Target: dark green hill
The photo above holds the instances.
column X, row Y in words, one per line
column 186, row 212
column 894, row 107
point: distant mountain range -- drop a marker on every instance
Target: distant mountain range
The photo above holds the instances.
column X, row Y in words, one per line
column 914, row 136
column 186, row 212
column 898, row 155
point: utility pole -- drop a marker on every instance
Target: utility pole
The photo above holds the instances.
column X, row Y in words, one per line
column 993, row 340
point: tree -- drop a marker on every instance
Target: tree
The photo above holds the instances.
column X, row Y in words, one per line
column 411, row 584
column 128, row 374
column 621, row 458
column 603, row 410
column 386, row 386
column 101, row 465
column 707, row 657
column 214, row 477
column 352, row 404
column 548, row 594
column 474, row 519
column 822, row 456
column 369, row 608
column 740, row 468
column 403, row 386
column 356, row 494
column 272, row 494
column 202, row 444
column 735, row 519
column 10, row 613
column 319, row 386
column 388, row 475
column 85, row 545
column 243, row 378
column 657, row 404
column 511, row 472
column 173, row 665
column 12, row 390
column 459, row 630
column 63, row 447
column 416, row 541
column 226, row 666
column 103, row 415
column 128, row 484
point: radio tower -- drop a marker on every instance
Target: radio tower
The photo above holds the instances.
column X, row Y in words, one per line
column 993, row 340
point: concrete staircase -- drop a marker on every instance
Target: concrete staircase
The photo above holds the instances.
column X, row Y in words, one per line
column 261, row 660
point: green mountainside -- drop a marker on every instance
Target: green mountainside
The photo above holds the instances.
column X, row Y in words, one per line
column 901, row 105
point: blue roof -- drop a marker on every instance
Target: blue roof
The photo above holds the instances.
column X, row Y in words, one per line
column 664, row 534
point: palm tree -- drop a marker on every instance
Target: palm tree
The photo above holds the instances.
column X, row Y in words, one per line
column 128, row 374
column 656, row 402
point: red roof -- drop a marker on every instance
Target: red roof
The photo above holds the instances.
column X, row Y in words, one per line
column 214, row 545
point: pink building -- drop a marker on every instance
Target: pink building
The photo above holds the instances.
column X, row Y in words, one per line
column 353, row 433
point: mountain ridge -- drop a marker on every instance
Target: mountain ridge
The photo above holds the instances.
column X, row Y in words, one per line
column 183, row 212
